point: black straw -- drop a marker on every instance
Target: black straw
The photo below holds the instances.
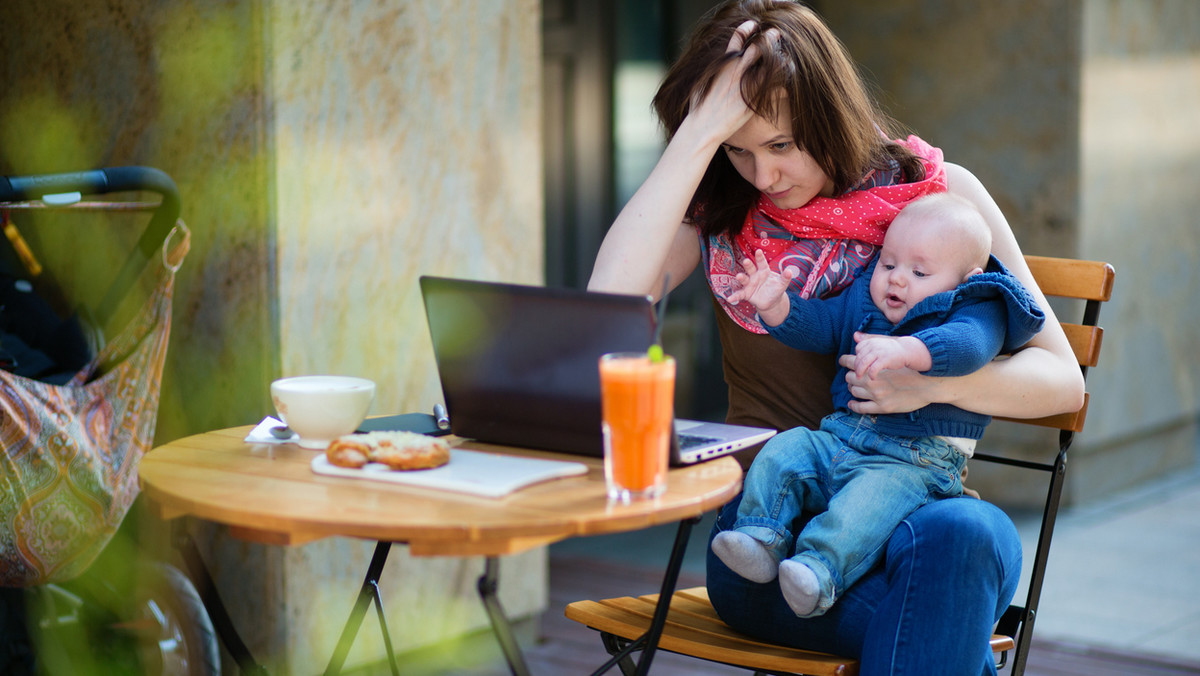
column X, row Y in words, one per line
column 662, row 309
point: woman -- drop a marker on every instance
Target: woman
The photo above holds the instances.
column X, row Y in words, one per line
column 775, row 146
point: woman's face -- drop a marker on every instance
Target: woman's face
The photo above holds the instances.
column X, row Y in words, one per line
column 765, row 154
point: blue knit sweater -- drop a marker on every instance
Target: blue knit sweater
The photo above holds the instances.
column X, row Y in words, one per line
column 989, row 314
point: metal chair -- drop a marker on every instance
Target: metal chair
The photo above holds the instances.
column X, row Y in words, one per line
column 693, row 628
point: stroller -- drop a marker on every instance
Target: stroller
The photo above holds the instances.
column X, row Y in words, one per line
column 78, row 407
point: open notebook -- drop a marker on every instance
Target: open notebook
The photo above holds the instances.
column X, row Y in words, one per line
column 474, row 472
column 519, row 366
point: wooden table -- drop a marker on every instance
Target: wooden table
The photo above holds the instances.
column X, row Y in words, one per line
column 268, row 493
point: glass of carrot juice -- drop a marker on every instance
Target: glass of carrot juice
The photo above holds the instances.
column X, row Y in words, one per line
column 637, row 395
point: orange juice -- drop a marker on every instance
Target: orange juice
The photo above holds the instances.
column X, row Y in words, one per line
column 637, row 398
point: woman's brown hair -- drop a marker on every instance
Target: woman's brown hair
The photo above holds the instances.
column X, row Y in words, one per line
column 834, row 118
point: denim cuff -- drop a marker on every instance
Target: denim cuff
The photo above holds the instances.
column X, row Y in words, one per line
column 767, row 531
column 828, row 580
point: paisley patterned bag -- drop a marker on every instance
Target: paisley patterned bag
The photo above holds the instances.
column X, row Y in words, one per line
column 68, row 467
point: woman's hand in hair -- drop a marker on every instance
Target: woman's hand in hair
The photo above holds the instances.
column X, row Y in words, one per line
column 722, row 110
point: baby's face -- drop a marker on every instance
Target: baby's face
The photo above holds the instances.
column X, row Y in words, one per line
column 915, row 262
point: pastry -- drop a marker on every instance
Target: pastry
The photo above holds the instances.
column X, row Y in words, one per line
column 397, row 450
column 347, row 452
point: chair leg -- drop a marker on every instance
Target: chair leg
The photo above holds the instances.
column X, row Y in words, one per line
column 1003, row 661
column 615, row 645
column 621, row 649
column 659, row 620
column 1053, row 498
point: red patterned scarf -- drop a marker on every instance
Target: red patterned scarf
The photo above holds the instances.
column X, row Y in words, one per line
column 829, row 239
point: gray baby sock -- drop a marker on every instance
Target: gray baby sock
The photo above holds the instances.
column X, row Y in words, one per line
column 745, row 556
column 799, row 585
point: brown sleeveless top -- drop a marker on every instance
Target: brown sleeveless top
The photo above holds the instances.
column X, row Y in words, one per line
column 771, row 384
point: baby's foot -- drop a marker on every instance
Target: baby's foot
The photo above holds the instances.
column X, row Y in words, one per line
column 799, row 585
column 745, row 556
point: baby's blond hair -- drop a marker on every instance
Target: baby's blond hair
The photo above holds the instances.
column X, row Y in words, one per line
column 956, row 217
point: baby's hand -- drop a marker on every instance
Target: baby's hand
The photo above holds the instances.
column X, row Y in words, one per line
column 764, row 288
column 873, row 354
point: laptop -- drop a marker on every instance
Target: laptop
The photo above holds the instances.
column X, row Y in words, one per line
column 519, row 366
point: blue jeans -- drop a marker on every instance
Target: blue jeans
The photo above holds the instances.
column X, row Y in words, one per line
column 857, row 482
column 949, row 571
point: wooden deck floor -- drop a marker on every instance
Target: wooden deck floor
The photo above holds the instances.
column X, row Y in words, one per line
column 562, row 647
column 565, row 647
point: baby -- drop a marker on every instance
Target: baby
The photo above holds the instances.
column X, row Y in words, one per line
column 935, row 301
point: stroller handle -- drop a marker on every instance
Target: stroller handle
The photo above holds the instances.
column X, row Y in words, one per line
column 94, row 182
column 109, row 180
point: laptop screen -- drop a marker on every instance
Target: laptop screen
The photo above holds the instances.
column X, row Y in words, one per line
column 518, row 364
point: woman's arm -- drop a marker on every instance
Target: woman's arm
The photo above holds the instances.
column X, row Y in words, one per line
column 1041, row 379
column 649, row 238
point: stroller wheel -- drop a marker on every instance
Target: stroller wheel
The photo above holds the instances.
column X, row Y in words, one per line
column 174, row 634
column 150, row 622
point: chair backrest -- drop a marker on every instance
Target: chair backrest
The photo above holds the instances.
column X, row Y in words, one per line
column 1092, row 283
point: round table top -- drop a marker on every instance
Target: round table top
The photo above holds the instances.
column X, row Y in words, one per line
column 270, row 493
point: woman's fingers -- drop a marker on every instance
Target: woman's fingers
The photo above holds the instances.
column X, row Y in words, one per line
column 731, row 74
column 721, row 106
column 748, row 54
column 738, row 41
column 771, row 37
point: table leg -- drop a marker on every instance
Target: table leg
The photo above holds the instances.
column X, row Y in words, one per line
column 487, row 585
column 648, row 642
column 222, row 623
column 368, row 593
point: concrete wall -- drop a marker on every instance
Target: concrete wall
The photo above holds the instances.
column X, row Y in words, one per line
column 1077, row 116
column 327, row 154
column 995, row 85
column 1140, row 169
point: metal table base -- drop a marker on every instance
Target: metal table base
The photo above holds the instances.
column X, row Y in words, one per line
column 487, row 586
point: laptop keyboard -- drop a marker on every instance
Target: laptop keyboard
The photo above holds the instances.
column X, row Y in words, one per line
column 687, row 441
